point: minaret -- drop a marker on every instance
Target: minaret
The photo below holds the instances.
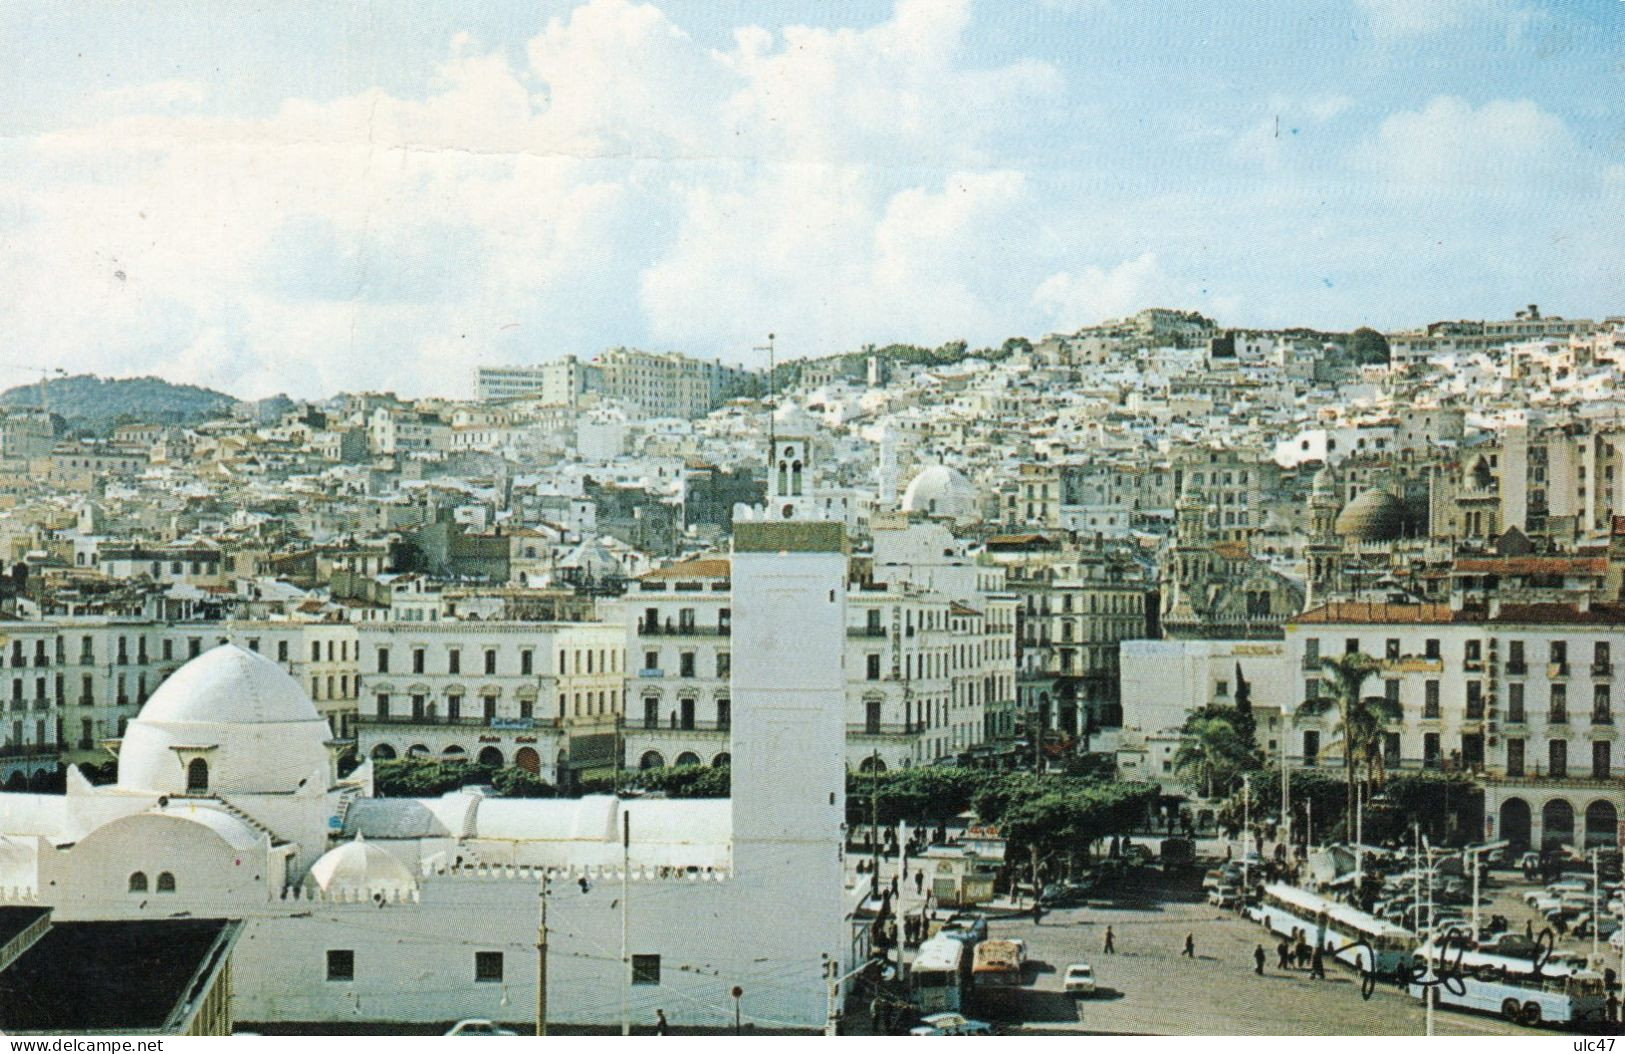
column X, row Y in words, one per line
column 788, row 686
column 1187, row 555
column 789, row 484
column 886, row 469
column 1322, row 551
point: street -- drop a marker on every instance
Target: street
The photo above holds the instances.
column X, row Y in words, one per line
column 1148, row 987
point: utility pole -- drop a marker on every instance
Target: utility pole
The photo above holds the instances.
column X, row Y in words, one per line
column 626, row 960
column 874, row 817
column 541, row 963
column 771, row 438
column 1286, row 781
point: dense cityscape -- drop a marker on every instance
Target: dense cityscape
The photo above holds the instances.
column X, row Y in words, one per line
column 987, row 657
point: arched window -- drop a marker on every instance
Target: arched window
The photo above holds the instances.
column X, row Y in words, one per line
column 197, row 776
column 138, row 882
column 166, row 882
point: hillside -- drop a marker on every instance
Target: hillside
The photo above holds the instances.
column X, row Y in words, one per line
column 96, row 404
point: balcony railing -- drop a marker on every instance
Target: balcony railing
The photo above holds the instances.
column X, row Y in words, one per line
column 1557, row 717
column 670, row 727
column 29, row 750
column 866, row 728
column 1557, row 669
column 1602, row 717
column 1517, row 667
column 500, row 724
column 1602, row 669
column 878, row 632
column 669, row 628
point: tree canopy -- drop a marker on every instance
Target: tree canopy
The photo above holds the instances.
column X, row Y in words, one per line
column 1367, row 347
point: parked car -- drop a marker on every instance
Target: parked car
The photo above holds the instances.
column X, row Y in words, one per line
column 950, row 1024
column 479, row 1026
column 1079, row 979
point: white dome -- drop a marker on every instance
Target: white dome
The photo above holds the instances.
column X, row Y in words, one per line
column 361, row 868
column 942, row 491
column 792, row 421
column 248, row 722
column 229, row 684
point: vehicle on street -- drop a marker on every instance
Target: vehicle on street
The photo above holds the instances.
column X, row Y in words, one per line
column 1079, row 979
column 1287, row 908
column 999, row 964
column 479, row 1026
column 965, row 926
column 1178, row 853
column 1560, row 992
column 951, row 1025
column 937, row 978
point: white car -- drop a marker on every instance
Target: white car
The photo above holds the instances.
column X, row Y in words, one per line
column 479, row 1026
column 951, row 1024
column 1079, row 980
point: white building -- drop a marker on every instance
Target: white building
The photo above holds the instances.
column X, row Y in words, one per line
column 360, row 909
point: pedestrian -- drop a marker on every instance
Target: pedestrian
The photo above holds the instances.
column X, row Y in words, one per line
column 1613, row 1006
column 1111, row 943
column 1529, row 930
column 919, row 882
column 1304, row 954
column 1190, row 945
column 1258, row 960
column 661, row 1027
column 1283, row 956
column 1317, row 965
column 1038, row 913
column 894, row 885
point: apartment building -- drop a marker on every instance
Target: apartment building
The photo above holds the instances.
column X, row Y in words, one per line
column 1525, row 696
column 923, row 672
column 543, row 696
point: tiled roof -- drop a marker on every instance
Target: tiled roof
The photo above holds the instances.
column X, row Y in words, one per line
column 708, row 567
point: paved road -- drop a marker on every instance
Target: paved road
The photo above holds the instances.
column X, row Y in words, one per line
column 1149, row 988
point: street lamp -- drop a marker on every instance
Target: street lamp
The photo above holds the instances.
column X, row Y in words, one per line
column 1472, row 854
column 736, row 992
column 1286, row 780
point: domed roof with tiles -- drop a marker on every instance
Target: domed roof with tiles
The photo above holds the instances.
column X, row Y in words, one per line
column 359, row 867
column 229, row 721
column 230, row 684
column 941, row 490
column 1375, row 516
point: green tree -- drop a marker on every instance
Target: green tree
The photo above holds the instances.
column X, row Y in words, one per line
column 1360, row 721
column 1367, row 347
column 1213, row 752
column 1246, row 722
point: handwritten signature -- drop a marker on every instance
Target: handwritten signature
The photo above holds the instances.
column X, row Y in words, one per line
column 1414, row 971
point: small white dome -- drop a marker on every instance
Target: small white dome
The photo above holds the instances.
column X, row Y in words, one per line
column 593, row 558
column 791, row 421
column 359, row 867
column 232, row 685
column 944, row 492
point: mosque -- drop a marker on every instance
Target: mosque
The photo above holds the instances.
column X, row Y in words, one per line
column 360, row 909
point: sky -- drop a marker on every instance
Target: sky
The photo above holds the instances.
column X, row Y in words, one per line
column 310, row 196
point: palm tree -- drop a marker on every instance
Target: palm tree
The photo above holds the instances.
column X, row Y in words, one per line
column 1212, row 751
column 1361, row 720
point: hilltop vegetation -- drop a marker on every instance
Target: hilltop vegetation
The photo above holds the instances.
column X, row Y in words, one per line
column 97, row 404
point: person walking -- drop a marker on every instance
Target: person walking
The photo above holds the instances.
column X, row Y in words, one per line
column 1613, row 1006
column 1190, row 945
column 1283, row 956
column 661, row 1027
column 1111, row 943
column 1317, row 965
column 919, row 881
column 1258, row 960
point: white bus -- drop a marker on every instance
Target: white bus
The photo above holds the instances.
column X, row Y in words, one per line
column 937, row 978
column 1565, row 992
column 1286, row 908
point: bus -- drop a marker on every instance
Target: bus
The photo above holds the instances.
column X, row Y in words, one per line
column 937, row 978
column 999, row 964
column 1286, row 908
column 1564, row 991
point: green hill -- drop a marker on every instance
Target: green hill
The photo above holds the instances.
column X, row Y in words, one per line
column 97, row 404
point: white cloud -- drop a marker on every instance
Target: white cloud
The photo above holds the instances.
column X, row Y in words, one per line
column 1502, row 145
column 624, row 184
column 1403, row 18
column 1096, row 294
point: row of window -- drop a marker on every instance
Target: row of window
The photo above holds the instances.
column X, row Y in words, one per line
column 1470, row 754
column 1558, row 709
column 585, row 660
column 165, row 883
column 1557, row 652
